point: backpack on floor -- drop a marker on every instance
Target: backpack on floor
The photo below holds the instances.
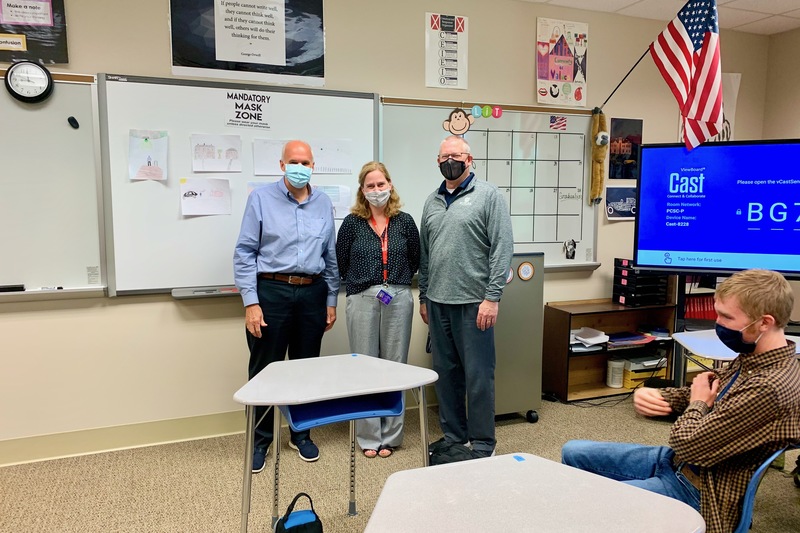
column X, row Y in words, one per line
column 305, row 521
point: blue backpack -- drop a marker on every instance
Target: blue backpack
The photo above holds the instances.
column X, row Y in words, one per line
column 305, row 521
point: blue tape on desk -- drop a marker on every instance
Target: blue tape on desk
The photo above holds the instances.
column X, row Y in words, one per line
column 519, row 458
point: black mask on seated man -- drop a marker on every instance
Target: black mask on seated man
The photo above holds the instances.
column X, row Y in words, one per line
column 452, row 169
column 733, row 339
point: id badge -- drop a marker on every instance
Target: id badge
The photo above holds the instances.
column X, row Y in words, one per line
column 384, row 296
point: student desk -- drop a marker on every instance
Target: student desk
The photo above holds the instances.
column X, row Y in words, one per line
column 322, row 390
column 522, row 492
column 704, row 343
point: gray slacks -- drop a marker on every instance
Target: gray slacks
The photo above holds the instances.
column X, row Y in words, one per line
column 384, row 331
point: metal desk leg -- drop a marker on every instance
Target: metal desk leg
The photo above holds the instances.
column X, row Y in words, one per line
column 248, row 464
column 423, row 424
column 678, row 365
column 352, row 508
column 276, row 443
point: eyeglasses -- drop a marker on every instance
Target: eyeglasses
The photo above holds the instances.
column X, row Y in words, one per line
column 458, row 156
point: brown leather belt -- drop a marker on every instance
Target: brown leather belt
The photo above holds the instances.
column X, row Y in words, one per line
column 689, row 471
column 291, row 279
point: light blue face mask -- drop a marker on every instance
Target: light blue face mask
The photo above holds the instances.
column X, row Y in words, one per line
column 298, row 175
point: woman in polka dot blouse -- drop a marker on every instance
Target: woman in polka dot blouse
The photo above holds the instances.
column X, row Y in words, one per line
column 378, row 254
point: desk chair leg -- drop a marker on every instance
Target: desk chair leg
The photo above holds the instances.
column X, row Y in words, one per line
column 422, row 404
column 248, row 464
column 352, row 508
column 276, row 443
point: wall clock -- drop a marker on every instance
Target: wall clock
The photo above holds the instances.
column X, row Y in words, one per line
column 29, row 82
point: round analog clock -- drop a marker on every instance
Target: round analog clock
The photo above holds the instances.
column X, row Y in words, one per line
column 29, row 82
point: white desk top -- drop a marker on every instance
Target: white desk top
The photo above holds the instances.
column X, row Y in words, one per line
column 316, row 379
column 522, row 492
column 704, row 343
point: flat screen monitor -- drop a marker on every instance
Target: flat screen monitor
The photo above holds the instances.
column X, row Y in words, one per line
column 721, row 207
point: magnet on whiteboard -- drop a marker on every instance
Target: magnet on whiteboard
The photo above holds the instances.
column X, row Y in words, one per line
column 73, row 122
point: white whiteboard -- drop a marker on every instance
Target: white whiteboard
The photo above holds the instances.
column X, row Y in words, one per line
column 49, row 225
column 543, row 173
column 151, row 247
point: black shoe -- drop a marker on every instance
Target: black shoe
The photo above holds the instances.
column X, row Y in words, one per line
column 440, row 445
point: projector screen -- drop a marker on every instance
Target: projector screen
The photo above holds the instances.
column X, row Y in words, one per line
column 722, row 207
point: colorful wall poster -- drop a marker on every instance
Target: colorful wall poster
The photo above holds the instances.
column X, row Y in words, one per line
column 561, row 51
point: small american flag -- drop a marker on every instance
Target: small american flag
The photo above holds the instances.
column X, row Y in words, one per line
column 558, row 122
column 688, row 57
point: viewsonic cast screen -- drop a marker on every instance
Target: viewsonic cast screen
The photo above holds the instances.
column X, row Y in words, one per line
column 721, row 207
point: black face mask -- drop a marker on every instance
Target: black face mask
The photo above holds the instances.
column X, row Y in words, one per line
column 733, row 339
column 452, row 169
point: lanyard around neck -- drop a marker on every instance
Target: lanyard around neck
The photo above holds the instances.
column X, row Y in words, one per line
column 384, row 246
column 728, row 386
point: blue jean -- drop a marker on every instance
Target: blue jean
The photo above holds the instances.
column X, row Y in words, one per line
column 464, row 358
column 647, row 467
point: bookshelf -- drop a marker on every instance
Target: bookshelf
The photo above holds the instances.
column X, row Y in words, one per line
column 571, row 376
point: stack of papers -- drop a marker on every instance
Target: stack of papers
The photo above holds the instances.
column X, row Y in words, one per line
column 587, row 340
column 628, row 339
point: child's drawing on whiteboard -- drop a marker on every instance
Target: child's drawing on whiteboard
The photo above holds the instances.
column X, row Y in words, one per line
column 205, row 196
column 147, row 155
column 216, row 153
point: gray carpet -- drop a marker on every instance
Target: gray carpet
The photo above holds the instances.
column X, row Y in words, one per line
column 196, row 486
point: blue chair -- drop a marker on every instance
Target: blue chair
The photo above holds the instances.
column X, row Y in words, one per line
column 750, row 495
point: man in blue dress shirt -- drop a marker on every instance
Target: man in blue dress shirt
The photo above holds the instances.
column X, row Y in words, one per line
column 285, row 269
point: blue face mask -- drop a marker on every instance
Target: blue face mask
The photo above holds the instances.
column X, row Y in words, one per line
column 298, row 175
column 733, row 338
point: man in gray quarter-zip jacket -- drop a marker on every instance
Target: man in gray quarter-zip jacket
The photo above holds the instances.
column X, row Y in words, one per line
column 466, row 249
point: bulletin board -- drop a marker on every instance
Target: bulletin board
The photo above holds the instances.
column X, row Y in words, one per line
column 151, row 245
column 538, row 158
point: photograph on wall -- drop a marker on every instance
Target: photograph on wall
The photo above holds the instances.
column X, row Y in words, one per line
column 274, row 41
column 446, row 45
column 35, row 30
column 624, row 148
column 621, row 203
column 561, row 51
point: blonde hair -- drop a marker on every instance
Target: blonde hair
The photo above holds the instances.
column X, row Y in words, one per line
column 760, row 292
column 361, row 207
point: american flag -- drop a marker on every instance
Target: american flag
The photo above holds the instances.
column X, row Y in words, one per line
column 558, row 122
column 687, row 55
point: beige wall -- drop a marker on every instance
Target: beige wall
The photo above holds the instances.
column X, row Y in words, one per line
column 82, row 364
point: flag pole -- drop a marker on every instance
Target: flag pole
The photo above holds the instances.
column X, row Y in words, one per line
column 625, row 78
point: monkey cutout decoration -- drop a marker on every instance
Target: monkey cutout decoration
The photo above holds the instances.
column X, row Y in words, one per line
column 459, row 122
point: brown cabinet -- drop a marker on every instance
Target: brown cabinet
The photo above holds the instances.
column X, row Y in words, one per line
column 579, row 376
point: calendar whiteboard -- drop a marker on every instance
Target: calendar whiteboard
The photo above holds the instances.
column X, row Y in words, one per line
column 543, row 172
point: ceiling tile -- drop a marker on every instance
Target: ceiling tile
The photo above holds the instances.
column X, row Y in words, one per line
column 771, row 25
column 795, row 13
column 772, row 6
column 654, row 9
column 730, row 18
column 596, row 5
